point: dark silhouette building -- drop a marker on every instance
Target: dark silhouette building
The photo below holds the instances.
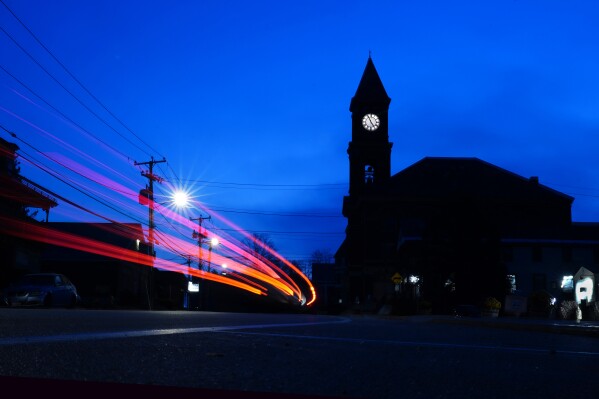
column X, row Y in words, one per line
column 18, row 195
column 102, row 280
column 447, row 231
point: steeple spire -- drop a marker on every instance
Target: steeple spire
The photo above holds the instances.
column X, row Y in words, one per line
column 371, row 91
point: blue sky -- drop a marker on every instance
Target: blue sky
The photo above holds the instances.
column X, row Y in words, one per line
column 249, row 101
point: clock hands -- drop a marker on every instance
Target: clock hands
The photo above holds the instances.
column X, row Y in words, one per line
column 370, row 122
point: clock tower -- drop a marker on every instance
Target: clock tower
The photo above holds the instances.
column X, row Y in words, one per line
column 369, row 173
column 370, row 150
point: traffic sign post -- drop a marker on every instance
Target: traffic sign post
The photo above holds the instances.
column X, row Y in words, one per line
column 397, row 278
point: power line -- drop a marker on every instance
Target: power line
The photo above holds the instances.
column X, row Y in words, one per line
column 75, row 79
column 68, row 167
column 172, row 225
column 56, row 174
column 69, row 92
column 63, row 179
column 267, row 213
column 288, row 232
column 60, row 112
column 328, row 186
column 170, row 244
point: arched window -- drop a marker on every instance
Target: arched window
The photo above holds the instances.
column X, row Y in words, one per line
column 368, row 174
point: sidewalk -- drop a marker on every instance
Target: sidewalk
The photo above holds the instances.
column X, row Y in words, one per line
column 586, row 328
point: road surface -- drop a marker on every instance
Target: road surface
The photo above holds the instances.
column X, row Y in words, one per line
column 278, row 355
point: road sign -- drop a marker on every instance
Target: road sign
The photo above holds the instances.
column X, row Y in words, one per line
column 397, row 278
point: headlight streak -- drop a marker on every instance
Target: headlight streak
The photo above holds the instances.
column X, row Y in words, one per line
column 258, row 269
column 252, row 272
column 264, row 272
column 46, row 235
column 241, row 269
column 275, row 254
column 69, row 147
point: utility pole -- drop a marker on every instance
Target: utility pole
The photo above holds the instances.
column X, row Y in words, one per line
column 201, row 237
column 186, row 301
column 150, row 195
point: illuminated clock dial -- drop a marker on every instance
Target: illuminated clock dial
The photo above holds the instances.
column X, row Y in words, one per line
column 371, row 122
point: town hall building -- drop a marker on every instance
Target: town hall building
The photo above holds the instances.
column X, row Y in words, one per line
column 448, row 231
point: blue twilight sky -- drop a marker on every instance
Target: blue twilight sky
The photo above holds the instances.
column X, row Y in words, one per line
column 248, row 101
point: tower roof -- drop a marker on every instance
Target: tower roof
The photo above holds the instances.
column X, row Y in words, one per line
column 371, row 91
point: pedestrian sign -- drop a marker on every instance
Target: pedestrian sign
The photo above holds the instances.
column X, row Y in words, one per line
column 397, row 278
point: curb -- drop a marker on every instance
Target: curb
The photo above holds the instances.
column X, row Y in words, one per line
column 583, row 329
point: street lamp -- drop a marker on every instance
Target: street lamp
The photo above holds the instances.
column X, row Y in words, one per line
column 213, row 243
column 180, row 199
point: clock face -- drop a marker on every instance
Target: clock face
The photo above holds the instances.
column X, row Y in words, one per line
column 371, row 122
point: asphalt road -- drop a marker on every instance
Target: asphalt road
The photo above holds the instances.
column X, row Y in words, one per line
column 167, row 354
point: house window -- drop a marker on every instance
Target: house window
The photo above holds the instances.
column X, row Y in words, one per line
column 368, row 174
column 511, row 283
column 567, row 283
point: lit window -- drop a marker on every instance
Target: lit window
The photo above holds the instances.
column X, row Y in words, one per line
column 568, row 283
column 511, row 281
column 368, row 174
column 193, row 287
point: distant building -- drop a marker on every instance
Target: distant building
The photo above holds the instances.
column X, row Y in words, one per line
column 448, row 231
column 106, row 281
column 101, row 280
column 326, row 278
column 17, row 196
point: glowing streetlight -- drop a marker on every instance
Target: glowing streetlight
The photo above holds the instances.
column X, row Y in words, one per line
column 213, row 243
column 180, row 199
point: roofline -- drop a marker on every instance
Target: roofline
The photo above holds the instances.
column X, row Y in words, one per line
column 546, row 241
column 542, row 186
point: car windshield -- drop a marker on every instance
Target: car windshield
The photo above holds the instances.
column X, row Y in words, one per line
column 36, row 279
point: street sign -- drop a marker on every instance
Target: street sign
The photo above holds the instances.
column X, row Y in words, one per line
column 397, row 278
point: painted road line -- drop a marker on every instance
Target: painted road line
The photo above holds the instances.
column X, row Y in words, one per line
column 87, row 336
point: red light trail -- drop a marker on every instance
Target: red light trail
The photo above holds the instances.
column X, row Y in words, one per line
column 248, row 271
column 261, row 274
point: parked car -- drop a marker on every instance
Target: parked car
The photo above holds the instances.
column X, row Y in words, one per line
column 42, row 289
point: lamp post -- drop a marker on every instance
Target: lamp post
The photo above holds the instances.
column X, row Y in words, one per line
column 213, row 243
